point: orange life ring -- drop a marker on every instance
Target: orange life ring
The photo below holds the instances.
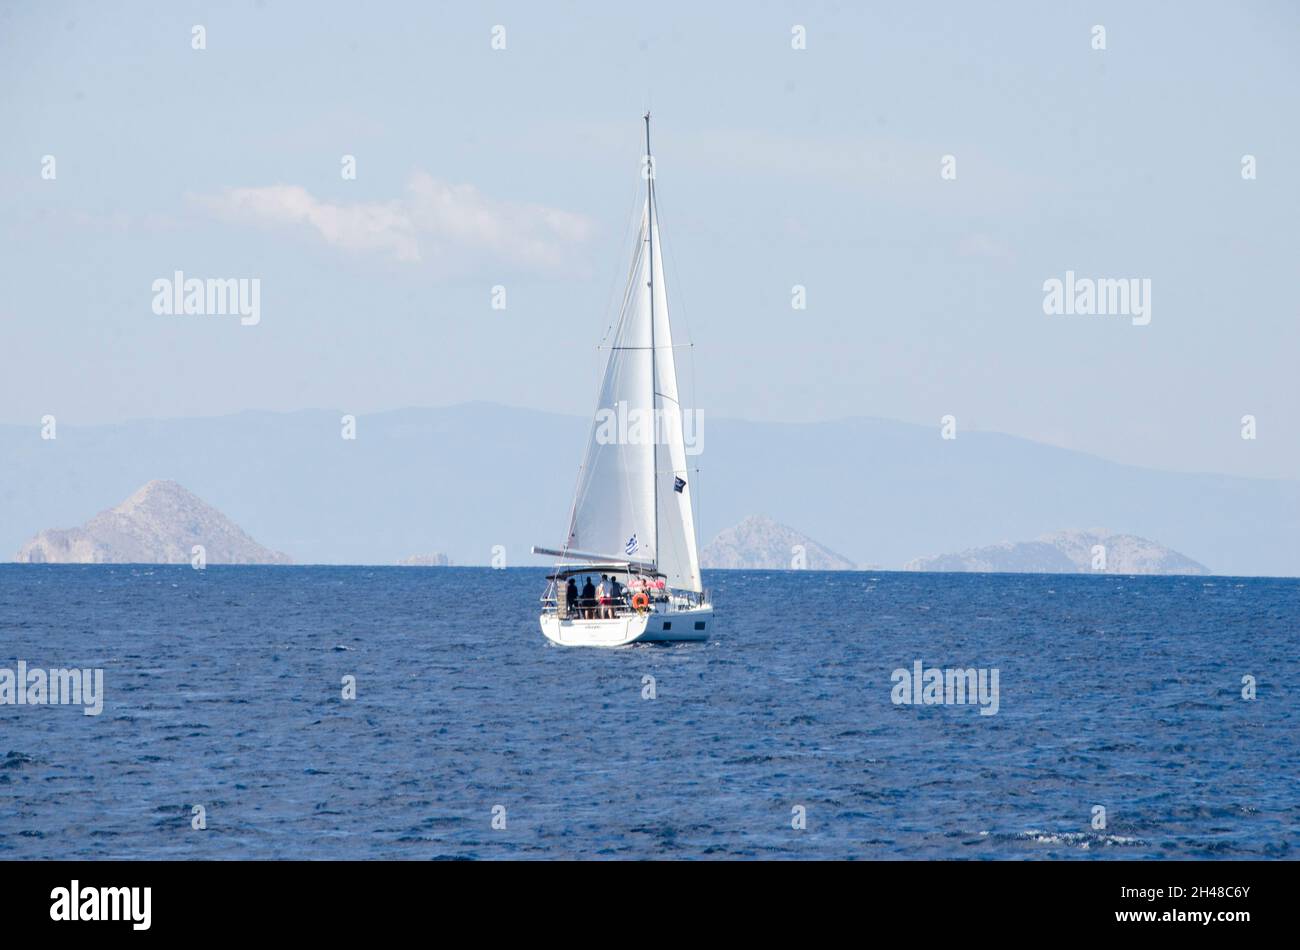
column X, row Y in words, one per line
column 641, row 601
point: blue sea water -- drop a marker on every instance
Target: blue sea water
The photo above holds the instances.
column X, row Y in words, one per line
column 223, row 689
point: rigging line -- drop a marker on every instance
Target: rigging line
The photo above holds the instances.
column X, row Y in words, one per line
column 698, row 503
column 622, row 313
column 630, row 287
column 677, row 290
column 632, row 239
column 573, row 511
column 616, row 327
column 628, row 229
column 650, row 260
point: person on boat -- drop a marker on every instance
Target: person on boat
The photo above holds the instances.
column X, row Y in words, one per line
column 588, row 600
column 602, row 598
column 616, row 592
column 571, row 598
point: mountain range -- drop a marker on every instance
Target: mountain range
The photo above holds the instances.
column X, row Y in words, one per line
column 479, row 481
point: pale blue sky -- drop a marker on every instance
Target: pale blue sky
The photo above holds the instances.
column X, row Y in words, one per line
column 776, row 167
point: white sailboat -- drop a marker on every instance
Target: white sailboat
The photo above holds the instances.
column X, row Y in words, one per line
column 632, row 518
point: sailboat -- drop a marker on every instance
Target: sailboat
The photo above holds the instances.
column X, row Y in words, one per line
column 631, row 527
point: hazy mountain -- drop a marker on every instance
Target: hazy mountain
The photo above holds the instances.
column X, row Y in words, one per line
column 425, row 560
column 159, row 524
column 759, row 543
column 467, row 479
column 1066, row 552
column 1124, row 553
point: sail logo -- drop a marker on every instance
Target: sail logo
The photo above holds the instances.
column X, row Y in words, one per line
column 946, row 687
column 212, row 297
column 55, row 687
column 621, row 425
column 630, row 548
column 1125, row 297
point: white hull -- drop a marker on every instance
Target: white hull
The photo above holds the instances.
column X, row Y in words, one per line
column 670, row 626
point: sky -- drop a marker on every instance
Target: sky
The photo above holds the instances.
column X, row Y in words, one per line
column 519, row 168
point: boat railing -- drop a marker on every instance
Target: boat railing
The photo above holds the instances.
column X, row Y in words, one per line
column 624, row 608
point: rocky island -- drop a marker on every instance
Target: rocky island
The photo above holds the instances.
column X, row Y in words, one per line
column 760, row 544
column 425, row 560
column 1066, row 552
column 159, row 524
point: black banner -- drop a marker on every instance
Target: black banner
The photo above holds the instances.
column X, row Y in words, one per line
column 978, row 900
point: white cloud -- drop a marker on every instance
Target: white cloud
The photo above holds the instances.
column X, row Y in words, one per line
column 446, row 225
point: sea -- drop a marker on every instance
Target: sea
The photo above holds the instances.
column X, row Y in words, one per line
column 419, row 714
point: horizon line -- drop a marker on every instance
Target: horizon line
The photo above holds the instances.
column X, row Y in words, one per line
column 470, row 403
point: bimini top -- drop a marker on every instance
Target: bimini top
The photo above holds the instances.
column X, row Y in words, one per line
column 564, row 571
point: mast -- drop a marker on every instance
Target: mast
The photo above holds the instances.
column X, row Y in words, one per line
column 654, row 372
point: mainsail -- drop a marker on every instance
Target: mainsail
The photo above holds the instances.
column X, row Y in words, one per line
column 634, row 491
column 613, row 512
